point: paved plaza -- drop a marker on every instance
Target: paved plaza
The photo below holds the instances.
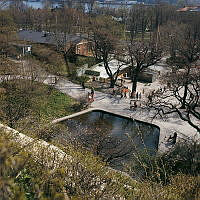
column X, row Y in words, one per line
column 119, row 105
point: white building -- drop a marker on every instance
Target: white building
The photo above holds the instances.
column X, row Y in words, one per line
column 98, row 71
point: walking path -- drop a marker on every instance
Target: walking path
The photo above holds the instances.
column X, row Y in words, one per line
column 122, row 106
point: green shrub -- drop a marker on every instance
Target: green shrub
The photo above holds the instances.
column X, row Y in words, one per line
column 82, row 60
column 183, row 158
column 53, row 62
column 92, row 73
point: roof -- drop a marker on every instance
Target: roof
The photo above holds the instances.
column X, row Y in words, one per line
column 159, row 68
column 113, row 64
column 189, row 8
column 21, row 45
column 48, row 38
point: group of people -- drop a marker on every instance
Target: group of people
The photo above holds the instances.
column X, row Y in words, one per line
column 136, row 95
column 125, row 92
column 133, row 104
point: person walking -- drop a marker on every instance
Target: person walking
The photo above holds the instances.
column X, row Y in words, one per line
column 83, row 84
column 129, row 93
column 113, row 92
column 90, row 98
column 150, row 98
column 173, row 138
column 126, row 91
column 121, row 92
column 142, row 90
column 121, row 83
column 140, row 96
column 92, row 93
column 137, row 95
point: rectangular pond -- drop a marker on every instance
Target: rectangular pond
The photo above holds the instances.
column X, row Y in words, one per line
column 113, row 137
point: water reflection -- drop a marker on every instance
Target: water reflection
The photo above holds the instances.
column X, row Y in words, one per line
column 112, row 137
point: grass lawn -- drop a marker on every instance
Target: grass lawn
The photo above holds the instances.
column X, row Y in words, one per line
column 53, row 104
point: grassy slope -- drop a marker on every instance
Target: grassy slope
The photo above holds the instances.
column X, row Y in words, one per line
column 42, row 103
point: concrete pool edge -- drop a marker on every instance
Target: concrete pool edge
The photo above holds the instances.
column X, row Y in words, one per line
column 112, row 113
column 100, row 109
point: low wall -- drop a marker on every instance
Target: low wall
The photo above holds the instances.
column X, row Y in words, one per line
column 54, row 155
column 51, row 156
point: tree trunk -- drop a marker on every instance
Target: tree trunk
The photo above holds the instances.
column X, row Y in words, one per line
column 185, row 89
column 109, row 72
column 67, row 64
column 184, row 96
column 135, row 80
column 112, row 82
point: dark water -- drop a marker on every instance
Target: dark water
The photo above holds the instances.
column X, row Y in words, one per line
column 38, row 4
column 112, row 137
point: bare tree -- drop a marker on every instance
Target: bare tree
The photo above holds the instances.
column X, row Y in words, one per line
column 7, row 30
column 64, row 26
column 105, row 37
column 168, row 101
column 143, row 54
column 180, row 95
column 17, row 4
column 66, row 3
column 46, row 4
column 138, row 21
column 184, row 46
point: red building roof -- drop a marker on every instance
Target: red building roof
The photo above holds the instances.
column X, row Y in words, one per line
column 188, row 8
